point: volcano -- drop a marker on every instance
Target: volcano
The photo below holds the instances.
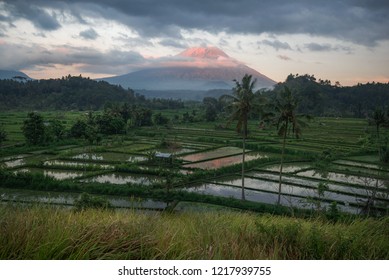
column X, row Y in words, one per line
column 14, row 75
column 200, row 68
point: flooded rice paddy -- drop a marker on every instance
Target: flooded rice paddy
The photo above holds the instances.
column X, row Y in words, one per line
column 220, row 152
column 64, row 163
column 345, row 178
column 123, row 178
column 55, row 173
column 113, row 157
column 260, row 196
column 288, row 167
column 225, row 161
column 300, row 181
column 67, row 198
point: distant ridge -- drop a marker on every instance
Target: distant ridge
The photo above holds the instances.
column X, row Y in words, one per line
column 201, row 68
column 13, row 75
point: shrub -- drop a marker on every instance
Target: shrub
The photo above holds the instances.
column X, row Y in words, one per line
column 87, row 201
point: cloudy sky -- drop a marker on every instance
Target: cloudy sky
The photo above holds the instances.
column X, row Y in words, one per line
column 343, row 40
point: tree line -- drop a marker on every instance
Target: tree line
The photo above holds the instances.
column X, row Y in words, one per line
column 72, row 93
column 322, row 98
column 316, row 97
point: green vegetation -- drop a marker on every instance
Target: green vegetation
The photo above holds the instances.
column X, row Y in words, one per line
column 88, row 201
column 3, row 135
column 317, row 97
column 54, row 233
column 178, row 159
column 34, row 129
column 322, row 98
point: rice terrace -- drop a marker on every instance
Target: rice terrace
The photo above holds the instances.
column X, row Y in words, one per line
column 202, row 160
column 315, row 190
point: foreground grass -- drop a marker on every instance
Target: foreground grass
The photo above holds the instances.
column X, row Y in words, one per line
column 41, row 232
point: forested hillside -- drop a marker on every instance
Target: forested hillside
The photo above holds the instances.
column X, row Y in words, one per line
column 316, row 97
column 321, row 98
column 71, row 93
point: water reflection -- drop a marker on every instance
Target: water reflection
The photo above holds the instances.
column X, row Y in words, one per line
column 309, row 183
column 263, row 185
column 70, row 198
column 221, row 152
column 86, row 156
column 119, row 157
column 177, row 151
column 54, row 173
column 287, row 168
column 263, row 197
column 345, row 178
column 121, row 179
column 358, row 164
column 77, row 164
column 14, row 163
column 225, row 161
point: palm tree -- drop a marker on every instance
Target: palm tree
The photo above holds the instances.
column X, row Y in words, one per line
column 286, row 119
column 242, row 103
column 378, row 118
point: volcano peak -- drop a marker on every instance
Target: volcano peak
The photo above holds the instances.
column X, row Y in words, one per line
column 204, row 52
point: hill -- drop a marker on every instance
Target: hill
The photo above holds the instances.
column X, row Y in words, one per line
column 321, row 98
column 69, row 93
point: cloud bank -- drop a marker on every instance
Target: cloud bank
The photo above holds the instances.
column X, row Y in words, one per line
column 331, row 27
column 358, row 21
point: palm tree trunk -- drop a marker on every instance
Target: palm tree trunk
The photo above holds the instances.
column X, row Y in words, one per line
column 371, row 199
column 282, row 163
column 243, row 161
column 243, row 158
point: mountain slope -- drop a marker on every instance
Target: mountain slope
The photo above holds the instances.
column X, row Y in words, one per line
column 193, row 69
column 13, row 75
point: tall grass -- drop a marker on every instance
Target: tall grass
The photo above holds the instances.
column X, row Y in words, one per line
column 41, row 232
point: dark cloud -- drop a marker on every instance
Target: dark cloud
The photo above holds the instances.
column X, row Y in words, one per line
column 89, row 34
column 41, row 18
column 316, row 47
column 173, row 43
column 92, row 60
column 275, row 44
column 358, row 21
